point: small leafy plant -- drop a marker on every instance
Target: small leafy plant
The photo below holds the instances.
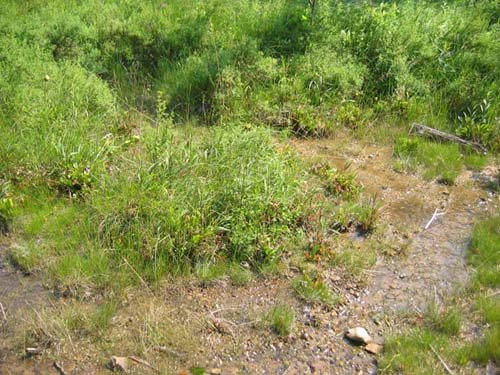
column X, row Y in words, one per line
column 312, row 288
column 6, row 207
column 282, row 320
column 338, row 182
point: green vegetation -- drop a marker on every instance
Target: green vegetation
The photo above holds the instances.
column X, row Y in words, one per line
column 101, row 107
column 282, row 320
column 485, row 253
column 312, row 289
column 442, row 162
column 145, row 140
column 414, row 352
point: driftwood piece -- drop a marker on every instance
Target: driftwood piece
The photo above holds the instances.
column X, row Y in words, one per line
column 443, row 136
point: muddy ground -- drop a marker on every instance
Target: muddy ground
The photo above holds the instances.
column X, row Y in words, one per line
column 222, row 327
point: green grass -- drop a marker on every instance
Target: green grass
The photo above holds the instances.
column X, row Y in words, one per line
column 475, row 162
column 223, row 196
column 485, row 252
column 490, row 309
column 311, row 288
column 443, row 320
column 412, row 352
column 139, row 138
column 439, row 161
column 282, row 320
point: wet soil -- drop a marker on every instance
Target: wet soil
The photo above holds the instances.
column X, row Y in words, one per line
column 18, row 293
column 227, row 323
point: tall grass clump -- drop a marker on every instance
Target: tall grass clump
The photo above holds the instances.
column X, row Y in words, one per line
column 227, row 195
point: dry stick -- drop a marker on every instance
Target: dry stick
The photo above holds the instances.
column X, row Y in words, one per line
column 142, row 362
column 164, row 349
column 441, row 360
column 434, row 216
column 139, row 276
column 488, row 296
column 4, row 315
column 440, row 135
column 59, row 368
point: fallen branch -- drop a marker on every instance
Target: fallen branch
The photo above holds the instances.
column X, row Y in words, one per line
column 442, row 361
column 4, row 315
column 493, row 294
column 59, row 368
column 164, row 349
column 142, row 362
column 443, row 136
column 434, row 216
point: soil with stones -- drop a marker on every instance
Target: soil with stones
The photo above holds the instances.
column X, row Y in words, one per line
column 226, row 322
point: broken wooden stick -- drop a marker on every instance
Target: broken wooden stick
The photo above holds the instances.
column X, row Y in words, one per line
column 443, row 136
column 59, row 368
column 4, row 315
column 434, row 216
column 142, row 362
column 442, row 361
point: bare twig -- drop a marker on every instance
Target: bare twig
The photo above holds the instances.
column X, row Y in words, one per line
column 138, row 276
column 224, row 309
column 59, row 368
column 142, row 362
column 448, row 370
column 164, row 349
column 493, row 294
column 434, row 216
column 4, row 315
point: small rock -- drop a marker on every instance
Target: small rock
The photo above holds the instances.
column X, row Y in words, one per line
column 119, row 363
column 215, row 371
column 374, row 348
column 359, row 334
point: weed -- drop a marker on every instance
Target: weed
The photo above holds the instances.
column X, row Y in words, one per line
column 485, row 252
column 6, row 207
column 486, row 349
column 442, row 162
column 442, row 320
column 26, row 259
column 282, row 320
column 475, row 161
column 338, row 182
column 411, row 353
column 353, row 258
column 367, row 214
column 313, row 289
column 490, row 309
column 240, row 276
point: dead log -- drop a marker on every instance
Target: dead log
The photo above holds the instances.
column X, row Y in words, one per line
column 443, row 136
